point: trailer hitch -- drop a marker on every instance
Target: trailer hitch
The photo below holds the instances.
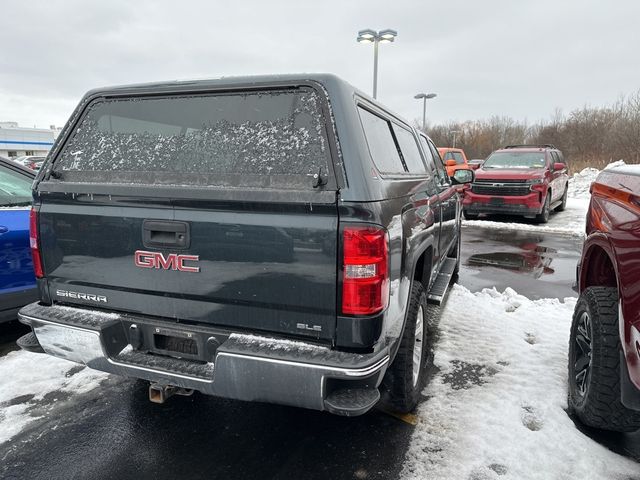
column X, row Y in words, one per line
column 160, row 393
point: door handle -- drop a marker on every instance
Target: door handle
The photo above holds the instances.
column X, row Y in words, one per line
column 159, row 233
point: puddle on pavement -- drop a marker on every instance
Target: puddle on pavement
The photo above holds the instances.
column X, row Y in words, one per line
column 534, row 264
column 534, row 260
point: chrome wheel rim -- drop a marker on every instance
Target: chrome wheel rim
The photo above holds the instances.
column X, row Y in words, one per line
column 417, row 345
column 582, row 360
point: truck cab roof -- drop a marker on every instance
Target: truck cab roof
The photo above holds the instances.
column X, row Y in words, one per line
column 353, row 163
column 241, row 81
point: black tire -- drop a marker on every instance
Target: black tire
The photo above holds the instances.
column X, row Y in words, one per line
column 563, row 205
column 596, row 401
column 469, row 216
column 543, row 217
column 403, row 391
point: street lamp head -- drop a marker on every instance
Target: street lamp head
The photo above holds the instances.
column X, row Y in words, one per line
column 387, row 35
column 367, row 36
column 419, row 96
column 431, row 95
column 371, row 36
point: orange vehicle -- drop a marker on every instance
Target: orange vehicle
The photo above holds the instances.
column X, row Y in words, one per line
column 454, row 159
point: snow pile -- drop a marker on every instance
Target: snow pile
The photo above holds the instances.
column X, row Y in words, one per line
column 570, row 222
column 496, row 408
column 580, row 183
column 30, row 384
column 617, row 163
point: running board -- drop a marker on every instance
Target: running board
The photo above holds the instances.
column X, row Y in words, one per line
column 439, row 288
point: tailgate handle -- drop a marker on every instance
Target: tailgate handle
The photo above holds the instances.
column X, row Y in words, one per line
column 158, row 233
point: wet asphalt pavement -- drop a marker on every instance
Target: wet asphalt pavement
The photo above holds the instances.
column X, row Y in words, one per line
column 116, row 433
column 537, row 265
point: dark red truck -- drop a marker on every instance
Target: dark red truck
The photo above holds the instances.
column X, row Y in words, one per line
column 527, row 180
column 604, row 349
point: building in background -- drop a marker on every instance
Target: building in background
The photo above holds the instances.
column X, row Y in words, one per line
column 17, row 141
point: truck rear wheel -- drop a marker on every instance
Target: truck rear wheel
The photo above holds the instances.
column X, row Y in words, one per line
column 594, row 363
column 405, row 377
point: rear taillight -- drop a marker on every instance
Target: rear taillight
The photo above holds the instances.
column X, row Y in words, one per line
column 365, row 280
column 33, row 242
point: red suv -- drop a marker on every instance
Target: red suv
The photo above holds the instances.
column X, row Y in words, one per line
column 604, row 347
column 528, row 180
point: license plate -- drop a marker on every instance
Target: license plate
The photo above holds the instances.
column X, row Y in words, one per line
column 174, row 341
column 496, row 201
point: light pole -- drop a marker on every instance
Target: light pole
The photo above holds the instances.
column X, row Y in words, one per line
column 371, row 36
column 424, row 97
column 454, row 132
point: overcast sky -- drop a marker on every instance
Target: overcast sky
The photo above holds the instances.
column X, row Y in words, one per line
column 518, row 58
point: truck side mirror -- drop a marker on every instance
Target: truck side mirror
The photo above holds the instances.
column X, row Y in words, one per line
column 558, row 166
column 463, row 176
column 450, row 163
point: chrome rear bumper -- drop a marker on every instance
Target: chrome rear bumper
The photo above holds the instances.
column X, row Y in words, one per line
column 245, row 367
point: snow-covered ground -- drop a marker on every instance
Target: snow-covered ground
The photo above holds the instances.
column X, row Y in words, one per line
column 31, row 383
column 496, row 408
column 569, row 222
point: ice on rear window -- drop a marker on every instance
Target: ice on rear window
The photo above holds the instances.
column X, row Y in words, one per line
column 241, row 139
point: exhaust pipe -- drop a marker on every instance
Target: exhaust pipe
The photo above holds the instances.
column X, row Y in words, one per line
column 160, row 393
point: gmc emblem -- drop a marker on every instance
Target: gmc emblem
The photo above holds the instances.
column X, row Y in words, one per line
column 173, row 261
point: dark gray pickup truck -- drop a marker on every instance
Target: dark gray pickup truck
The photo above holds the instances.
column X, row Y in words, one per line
column 270, row 239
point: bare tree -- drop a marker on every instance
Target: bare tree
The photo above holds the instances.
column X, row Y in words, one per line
column 588, row 136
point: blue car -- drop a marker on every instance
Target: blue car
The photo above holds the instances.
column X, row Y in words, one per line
column 17, row 280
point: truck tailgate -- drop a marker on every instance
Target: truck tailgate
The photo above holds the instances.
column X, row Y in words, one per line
column 257, row 267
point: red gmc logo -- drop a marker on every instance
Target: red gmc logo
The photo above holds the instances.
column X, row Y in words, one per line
column 173, row 261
